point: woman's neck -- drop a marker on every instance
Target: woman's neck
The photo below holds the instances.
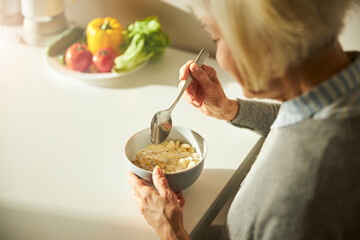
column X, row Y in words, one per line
column 301, row 79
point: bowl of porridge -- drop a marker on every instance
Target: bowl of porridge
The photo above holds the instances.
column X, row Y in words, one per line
column 181, row 156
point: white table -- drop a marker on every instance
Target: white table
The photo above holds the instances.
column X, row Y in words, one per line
column 62, row 164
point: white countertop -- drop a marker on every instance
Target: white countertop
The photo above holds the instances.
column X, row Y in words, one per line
column 62, row 163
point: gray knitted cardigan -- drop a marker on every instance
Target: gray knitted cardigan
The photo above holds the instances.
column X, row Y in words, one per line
column 305, row 183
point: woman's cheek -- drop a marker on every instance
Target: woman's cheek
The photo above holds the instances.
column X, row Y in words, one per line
column 226, row 62
column 223, row 58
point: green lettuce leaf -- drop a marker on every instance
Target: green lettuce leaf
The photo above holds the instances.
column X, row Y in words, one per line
column 143, row 40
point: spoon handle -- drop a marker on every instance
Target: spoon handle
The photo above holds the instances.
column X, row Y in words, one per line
column 200, row 59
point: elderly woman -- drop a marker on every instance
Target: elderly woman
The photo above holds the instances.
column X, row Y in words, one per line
column 305, row 183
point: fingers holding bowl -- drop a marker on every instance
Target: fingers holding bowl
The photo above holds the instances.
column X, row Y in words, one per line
column 180, row 198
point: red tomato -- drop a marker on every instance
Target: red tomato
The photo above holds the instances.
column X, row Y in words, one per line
column 103, row 59
column 78, row 57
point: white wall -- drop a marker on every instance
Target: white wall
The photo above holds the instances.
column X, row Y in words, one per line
column 177, row 20
column 175, row 17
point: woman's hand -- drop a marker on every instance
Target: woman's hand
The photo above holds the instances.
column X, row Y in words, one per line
column 162, row 208
column 206, row 93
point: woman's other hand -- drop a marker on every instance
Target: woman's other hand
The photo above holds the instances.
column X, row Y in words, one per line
column 206, row 93
column 162, row 208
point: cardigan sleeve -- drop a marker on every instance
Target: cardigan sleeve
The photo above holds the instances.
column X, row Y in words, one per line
column 256, row 115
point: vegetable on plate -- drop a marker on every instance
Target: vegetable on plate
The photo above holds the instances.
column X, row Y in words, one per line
column 64, row 41
column 144, row 40
column 103, row 59
column 108, row 46
column 78, row 57
column 104, row 33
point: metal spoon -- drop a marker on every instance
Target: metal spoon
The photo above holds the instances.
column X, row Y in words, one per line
column 161, row 123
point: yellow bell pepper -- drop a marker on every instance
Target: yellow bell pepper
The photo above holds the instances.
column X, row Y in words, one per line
column 103, row 33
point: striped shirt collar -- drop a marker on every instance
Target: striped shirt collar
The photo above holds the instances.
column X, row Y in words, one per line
column 308, row 104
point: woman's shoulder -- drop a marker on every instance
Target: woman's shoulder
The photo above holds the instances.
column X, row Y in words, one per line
column 319, row 139
column 341, row 127
column 303, row 174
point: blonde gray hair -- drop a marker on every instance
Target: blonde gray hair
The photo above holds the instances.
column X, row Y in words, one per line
column 268, row 36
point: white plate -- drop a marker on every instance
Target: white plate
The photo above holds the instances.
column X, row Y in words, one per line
column 91, row 74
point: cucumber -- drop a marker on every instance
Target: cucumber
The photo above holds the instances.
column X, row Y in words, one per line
column 65, row 40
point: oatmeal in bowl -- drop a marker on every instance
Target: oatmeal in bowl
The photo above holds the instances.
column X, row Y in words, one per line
column 169, row 156
column 181, row 156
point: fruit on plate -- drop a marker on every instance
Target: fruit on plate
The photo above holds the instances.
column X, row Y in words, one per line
column 103, row 59
column 104, row 33
column 78, row 57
